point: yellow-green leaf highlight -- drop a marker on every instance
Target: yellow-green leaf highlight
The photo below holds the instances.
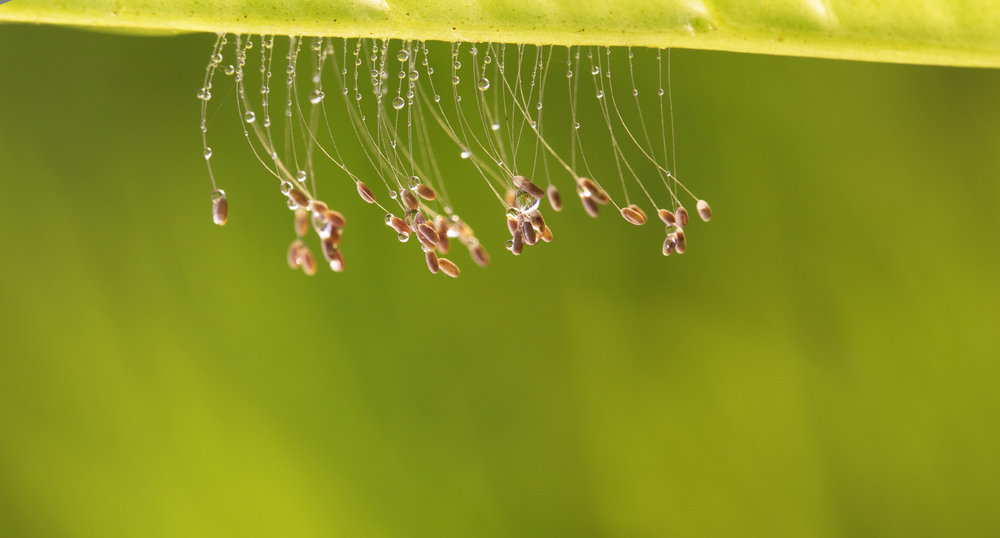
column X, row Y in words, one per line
column 956, row 32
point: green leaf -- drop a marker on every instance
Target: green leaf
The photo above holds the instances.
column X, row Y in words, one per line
column 955, row 32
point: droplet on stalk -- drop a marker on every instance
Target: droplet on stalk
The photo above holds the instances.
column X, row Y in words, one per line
column 526, row 202
column 669, row 244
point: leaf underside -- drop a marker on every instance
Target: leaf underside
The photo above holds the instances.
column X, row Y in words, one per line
column 955, row 32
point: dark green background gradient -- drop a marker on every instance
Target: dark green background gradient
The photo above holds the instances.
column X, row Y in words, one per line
column 822, row 362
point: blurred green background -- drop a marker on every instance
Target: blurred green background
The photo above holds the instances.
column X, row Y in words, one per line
column 822, row 362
